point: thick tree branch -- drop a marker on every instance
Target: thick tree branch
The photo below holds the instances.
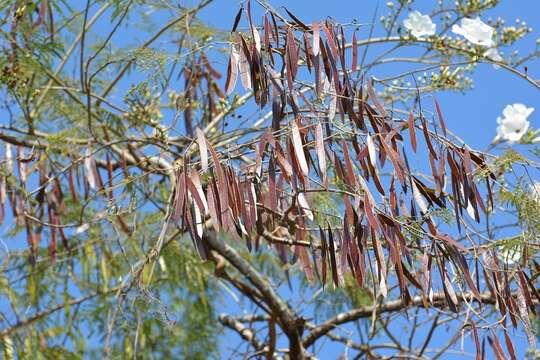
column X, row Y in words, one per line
column 439, row 300
column 287, row 319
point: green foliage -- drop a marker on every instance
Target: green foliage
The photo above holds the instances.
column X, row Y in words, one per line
column 326, row 209
column 527, row 204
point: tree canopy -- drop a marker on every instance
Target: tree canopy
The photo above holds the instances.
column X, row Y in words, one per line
column 281, row 188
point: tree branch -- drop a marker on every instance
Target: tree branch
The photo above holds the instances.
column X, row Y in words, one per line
column 288, row 320
column 166, row 27
column 244, row 332
column 439, row 300
column 23, row 323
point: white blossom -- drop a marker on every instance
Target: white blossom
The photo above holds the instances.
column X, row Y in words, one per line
column 475, row 30
column 513, row 125
column 419, row 25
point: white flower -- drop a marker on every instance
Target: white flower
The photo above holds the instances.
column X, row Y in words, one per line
column 514, row 124
column 419, row 25
column 475, row 30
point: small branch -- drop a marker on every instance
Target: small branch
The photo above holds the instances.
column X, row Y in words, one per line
column 67, row 55
column 25, row 322
column 430, row 334
column 166, row 27
column 244, row 332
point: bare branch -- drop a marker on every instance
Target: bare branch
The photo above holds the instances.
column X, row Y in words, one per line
column 285, row 315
